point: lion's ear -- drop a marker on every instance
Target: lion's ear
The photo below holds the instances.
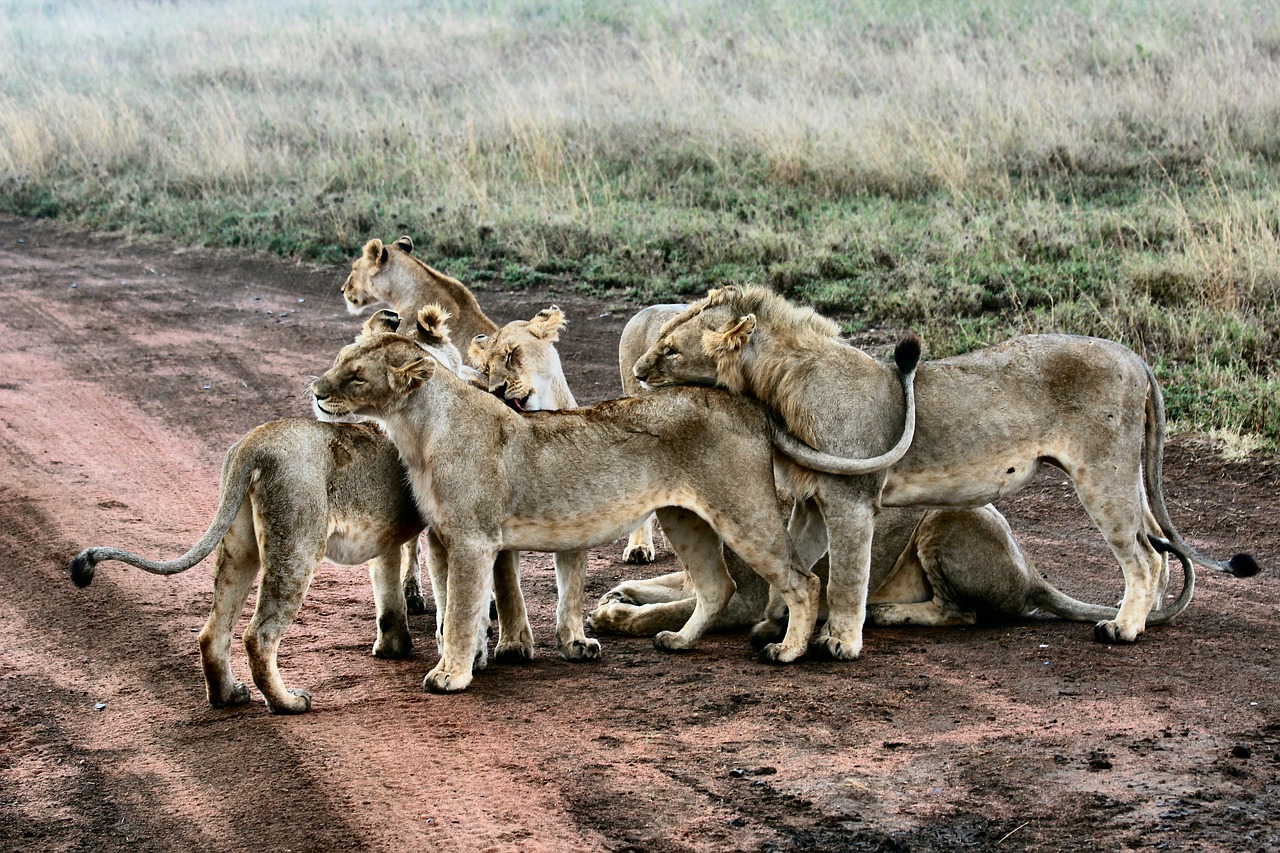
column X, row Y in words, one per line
column 383, row 320
column 478, row 350
column 375, row 252
column 732, row 338
column 547, row 324
column 433, row 325
column 404, row 243
column 411, row 376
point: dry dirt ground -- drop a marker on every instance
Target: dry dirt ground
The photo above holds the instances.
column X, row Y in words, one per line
column 127, row 370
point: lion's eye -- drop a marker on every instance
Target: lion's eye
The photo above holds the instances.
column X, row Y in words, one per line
column 670, row 352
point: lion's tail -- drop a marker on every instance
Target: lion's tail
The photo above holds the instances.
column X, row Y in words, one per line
column 237, row 474
column 906, row 355
column 1241, row 565
column 1053, row 600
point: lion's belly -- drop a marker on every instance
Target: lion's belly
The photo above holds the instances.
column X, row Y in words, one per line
column 570, row 525
column 353, row 543
column 955, row 486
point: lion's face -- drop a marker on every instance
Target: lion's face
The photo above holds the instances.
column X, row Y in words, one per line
column 370, row 378
column 520, row 360
column 359, row 289
column 692, row 346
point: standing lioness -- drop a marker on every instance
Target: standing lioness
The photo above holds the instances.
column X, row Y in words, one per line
column 490, row 479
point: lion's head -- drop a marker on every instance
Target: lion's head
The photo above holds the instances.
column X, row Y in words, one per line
column 706, row 343
column 359, row 289
column 521, row 365
column 371, row 377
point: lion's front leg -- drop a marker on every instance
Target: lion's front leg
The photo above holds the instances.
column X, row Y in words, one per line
column 385, row 574
column 640, row 549
column 645, row 607
column 571, row 576
column 411, row 577
column 515, row 635
column 469, row 571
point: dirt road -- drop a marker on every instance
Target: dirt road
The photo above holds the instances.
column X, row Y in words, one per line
column 127, row 370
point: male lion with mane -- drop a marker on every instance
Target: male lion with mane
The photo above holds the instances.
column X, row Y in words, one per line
column 986, row 421
column 490, row 479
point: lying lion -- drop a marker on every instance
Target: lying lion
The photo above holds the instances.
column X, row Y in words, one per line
column 490, row 479
column 294, row 491
column 986, row 422
column 928, row 568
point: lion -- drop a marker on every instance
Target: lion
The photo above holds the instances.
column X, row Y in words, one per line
column 490, row 479
column 928, row 568
column 394, row 275
column 520, row 364
column 639, row 332
column 986, row 423
column 294, row 491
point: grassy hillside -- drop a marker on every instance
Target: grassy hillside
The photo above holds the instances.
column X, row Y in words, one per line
column 966, row 169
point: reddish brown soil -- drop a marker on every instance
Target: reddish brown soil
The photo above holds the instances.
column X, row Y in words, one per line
column 128, row 369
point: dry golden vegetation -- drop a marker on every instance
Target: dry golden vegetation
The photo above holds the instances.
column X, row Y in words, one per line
column 966, row 169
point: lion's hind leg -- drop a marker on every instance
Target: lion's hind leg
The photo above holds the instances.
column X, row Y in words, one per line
column 698, row 547
column 237, row 566
column 289, row 563
column 642, row 608
column 1117, row 505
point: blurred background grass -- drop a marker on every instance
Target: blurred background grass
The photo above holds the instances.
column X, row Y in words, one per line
column 969, row 170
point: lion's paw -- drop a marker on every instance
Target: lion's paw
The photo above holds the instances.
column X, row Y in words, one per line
column 610, row 617
column 298, row 703
column 671, row 641
column 513, row 652
column 614, row 596
column 584, row 649
column 238, row 695
column 639, row 555
column 765, row 632
column 393, row 645
column 438, row 681
column 778, row 653
column 415, row 603
column 834, row 648
column 1110, row 632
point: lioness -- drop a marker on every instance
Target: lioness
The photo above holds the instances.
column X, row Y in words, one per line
column 488, row 478
column 639, row 332
column 520, row 364
column 987, row 420
column 392, row 274
column 928, row 567
column 294, row 491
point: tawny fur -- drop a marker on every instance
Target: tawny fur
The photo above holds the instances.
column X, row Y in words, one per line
column 489, row 479
column 394, row 275
column 986, row 421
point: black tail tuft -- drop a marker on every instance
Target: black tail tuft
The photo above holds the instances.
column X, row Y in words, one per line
column 907, row 353
column 1243, row 566
column 82, row 569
